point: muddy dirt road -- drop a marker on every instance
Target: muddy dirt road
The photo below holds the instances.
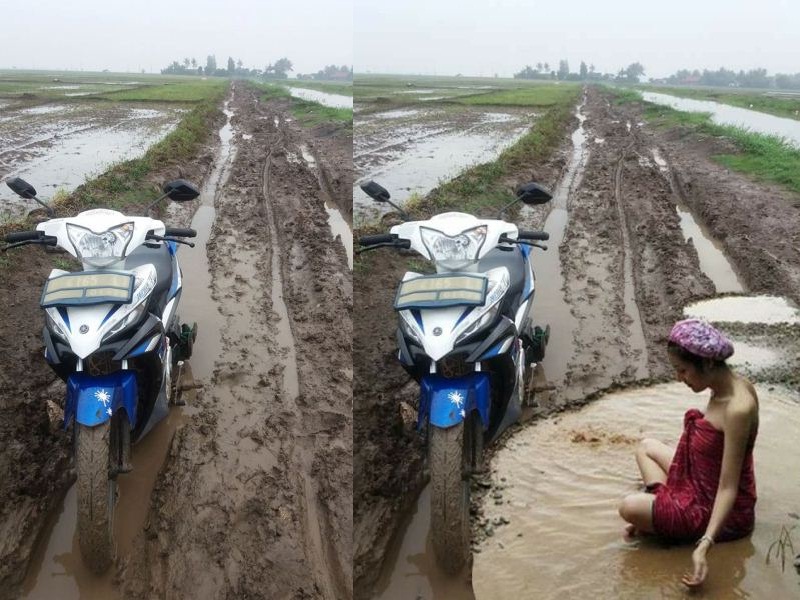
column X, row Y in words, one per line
column 253, row 497
column 623, row 272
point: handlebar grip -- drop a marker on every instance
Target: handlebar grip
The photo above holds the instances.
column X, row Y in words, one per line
column 179, row 232
column 23, row 236
column 369, row 240
column 542, row 236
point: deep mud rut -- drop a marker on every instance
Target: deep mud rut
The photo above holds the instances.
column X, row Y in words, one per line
column 627, row 271
column 253, row 499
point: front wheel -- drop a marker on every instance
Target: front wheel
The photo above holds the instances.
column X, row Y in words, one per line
column 96, row 495
column 449, row 455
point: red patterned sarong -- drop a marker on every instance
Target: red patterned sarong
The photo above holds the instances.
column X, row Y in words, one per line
column 683, row 504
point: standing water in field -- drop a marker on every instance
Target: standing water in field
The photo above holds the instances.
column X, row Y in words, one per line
column 61, row 146
column 565, row 476
column 324, row 98
column 411, row 151
column 723, row 114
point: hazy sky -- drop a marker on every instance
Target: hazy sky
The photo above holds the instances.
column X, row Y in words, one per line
column 502, row 36
column 134, row 35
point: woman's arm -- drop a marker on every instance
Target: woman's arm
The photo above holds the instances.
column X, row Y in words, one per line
column 737, row 427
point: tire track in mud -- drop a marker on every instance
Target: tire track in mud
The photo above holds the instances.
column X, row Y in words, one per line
column 254, row 500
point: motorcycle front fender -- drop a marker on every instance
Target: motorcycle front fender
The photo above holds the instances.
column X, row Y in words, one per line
column 445, row 402
column 94, row 400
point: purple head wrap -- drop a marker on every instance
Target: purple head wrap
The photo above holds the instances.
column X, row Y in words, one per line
column 700, row 338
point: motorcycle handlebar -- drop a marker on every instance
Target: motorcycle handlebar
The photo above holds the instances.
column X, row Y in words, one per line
column 179, row 232
column 371, row 240
column 533, row 235
column 23, row 236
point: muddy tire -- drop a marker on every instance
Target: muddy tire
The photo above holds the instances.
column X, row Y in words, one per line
column 96, row 494
column 447, row 456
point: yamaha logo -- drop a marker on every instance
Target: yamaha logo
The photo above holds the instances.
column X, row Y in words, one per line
column 84, row 329
column 437, row 331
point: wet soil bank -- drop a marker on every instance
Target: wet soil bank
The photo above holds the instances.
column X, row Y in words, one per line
column 254, row 500
column 627, row 271
column 35, row 467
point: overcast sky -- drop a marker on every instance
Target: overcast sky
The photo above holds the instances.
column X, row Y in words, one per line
column 501, row 36
column 134, row 35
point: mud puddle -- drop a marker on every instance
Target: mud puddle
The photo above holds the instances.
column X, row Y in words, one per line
column 767, row 310
column 411, row 151
column 57, row 570
column 334, row 100
column 415, row 574
column 549, row 305
column 564, row 476
column 713, row 261
column 723, row 114
column 55, row 146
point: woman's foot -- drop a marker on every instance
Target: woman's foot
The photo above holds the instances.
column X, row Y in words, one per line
column 631, row 533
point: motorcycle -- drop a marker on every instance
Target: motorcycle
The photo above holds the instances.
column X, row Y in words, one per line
column 466, row 336
column 113, row 335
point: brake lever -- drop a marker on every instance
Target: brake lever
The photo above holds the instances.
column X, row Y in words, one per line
column 159, row 238
column 47, row 240
column 395, row 244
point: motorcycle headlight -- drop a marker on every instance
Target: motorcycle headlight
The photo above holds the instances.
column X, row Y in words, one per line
column 144, row 284
column 455, row 251
column 409, row 325
column 499, row 281
column 53, row 324
column 100, row 249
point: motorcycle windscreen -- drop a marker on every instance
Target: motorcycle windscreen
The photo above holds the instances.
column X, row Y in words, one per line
column 83, row 289
column 441, row 290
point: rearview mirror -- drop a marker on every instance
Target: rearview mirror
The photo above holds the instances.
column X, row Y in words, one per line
column 180, row 190
column 533, row 193
column 21, row 188
column 375, row 191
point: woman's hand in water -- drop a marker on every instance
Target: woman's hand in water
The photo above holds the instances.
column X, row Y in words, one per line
column 696, row 579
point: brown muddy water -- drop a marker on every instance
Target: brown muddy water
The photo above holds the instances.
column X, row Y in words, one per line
column 562, row 480
column 410, row 151
column 58, row 146
column 713, row 261
column 57, row 570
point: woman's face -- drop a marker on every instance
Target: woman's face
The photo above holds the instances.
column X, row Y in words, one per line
column 687, row 373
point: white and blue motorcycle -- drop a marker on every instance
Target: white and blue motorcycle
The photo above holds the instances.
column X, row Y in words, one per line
column 112, row 334
column 466, row 335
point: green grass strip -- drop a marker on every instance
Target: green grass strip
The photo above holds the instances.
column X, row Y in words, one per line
column 768, row 158
column 307, row 113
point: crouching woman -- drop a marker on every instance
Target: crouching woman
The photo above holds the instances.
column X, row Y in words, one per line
column 703, row 491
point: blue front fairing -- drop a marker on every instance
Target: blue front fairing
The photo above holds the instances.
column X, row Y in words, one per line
column 94, row 400
column 446, row 402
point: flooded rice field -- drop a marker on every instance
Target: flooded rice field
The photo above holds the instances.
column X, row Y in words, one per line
column 333, row 100
column 411, row 150
column 724, row 114
column 553, row 530
column 58, row 146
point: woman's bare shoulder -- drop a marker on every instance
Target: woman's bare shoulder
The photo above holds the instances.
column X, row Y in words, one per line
column 744, row 400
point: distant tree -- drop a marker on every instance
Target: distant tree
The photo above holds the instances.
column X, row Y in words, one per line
column 540, row 67
column 563, row 69
column 194, row 63
column 584, row 70
column 186, row 62
column 211, row 65
column 282, row 66
column 547, row 67
column 231, row 66
column 633, row 72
